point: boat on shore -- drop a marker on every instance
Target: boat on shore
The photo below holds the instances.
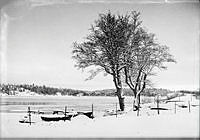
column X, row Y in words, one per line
column 56, row 117
column 88, row 114
column 113, row 112
column 25, row 119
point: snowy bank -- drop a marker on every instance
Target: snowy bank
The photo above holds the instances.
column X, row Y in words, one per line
column 148, row 124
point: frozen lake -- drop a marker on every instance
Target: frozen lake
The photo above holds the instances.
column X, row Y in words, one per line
column 19, row 104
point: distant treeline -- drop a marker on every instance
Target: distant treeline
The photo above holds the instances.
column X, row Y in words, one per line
column 11, row 89
column 190, row 92
column 128, row 92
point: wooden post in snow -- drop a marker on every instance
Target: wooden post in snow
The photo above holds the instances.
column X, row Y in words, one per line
column 65, row 111
column 175, row 108
column 189, row 106
column 158, row 104
column 138, row 111
column 92, row 112
column 29, row 115
column 116, row 110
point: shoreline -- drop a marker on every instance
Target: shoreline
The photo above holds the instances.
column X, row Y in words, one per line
column 127, row 125
column 183, row 123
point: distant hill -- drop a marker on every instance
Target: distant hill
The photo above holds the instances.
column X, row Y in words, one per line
column 10, row 89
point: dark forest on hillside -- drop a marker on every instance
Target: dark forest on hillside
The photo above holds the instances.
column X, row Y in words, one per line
column 11, row 89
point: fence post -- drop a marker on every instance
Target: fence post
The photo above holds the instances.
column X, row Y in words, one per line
column 175, row 108
column 189, row 105
column 29, row 115
column 116, row 110
column 158, row 105
column 92, row 112
column 133, row 104
column 65, row 112
column 138, row 110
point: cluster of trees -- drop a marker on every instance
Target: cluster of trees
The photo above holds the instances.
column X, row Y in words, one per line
column 190, row 92
column 128, row 92
column 10, row 89
column 120, row 46
column 44, row 90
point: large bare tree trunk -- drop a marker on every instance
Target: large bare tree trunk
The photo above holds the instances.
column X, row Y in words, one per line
column 136, row 103
column 121, row 98
column 119, row 92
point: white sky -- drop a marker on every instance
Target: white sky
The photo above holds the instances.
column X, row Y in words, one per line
column 39, row 42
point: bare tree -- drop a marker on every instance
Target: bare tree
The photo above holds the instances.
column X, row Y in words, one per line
column 143, row 56
column 104, row 48
column 119, row 46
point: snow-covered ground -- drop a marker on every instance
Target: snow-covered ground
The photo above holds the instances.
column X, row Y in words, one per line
column 21, row 93
column 182, row 123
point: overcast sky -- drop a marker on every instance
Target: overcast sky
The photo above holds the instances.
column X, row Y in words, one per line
column 39, row 42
